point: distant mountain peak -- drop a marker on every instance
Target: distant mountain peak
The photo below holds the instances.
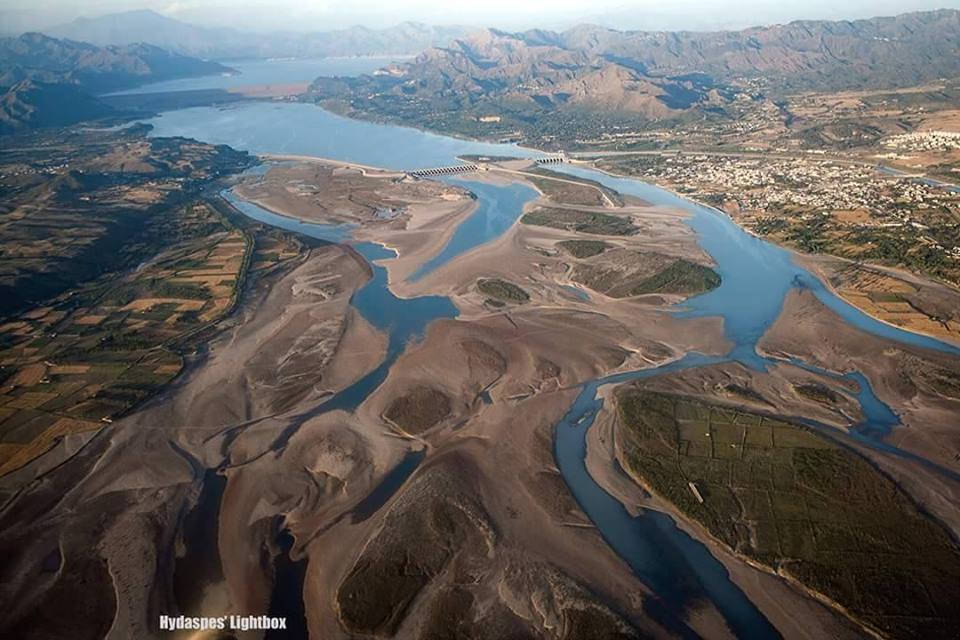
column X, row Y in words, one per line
column 145, row 25
column 639, row 76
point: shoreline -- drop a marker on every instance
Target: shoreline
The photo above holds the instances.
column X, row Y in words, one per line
column 432, row 132
column 291, row 157
column 590, row 161
column 803, row 258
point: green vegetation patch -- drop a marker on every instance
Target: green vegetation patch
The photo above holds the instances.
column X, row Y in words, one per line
column 561, row 187
column 419, row 409
column 580, row 221
column 683, row 277
column 583, row 248
column 623, row 274
column 816, row 392
column 432, row 523
column 792, row 499
column 502, row 290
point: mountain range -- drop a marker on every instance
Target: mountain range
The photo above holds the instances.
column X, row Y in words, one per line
column 96, row 69
column 223, row 43
column 884, row 51
column 647, row 76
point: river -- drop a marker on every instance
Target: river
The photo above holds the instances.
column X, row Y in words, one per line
column 756, row 277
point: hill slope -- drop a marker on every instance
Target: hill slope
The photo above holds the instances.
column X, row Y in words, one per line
column 30, row 104
column 889, row 51
column 48, row 82
column 36, row 56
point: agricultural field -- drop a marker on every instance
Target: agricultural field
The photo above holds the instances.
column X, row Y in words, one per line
column 112, row 264
column 560, row 187
column 78, row 204
column 95, row 352
column 897, row 301
column 799, row 504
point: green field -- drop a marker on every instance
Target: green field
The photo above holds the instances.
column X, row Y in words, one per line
column 591, row 222
column 797, row 502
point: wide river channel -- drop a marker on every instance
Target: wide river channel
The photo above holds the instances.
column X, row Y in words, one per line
column 756, row 277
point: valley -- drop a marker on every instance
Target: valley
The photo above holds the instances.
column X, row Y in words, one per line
column 696, row 375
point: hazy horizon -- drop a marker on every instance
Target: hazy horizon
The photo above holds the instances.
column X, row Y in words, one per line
column 293, row 15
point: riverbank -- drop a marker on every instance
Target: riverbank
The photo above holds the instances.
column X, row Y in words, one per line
column 895, row 297
column 437, row 369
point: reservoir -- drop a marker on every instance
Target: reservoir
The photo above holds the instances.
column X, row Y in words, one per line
column 304, row 129
column 756, row 276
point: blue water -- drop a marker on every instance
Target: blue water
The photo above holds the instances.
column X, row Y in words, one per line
column 676, row 567
column 328, row 232
column 498, row 207
column 305, row 129
column 576, row 291
column 267, row 72
column 756, row 276
column 930, row 182
column 388, row 486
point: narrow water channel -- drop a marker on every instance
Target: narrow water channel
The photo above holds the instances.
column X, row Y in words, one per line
column 497, row 209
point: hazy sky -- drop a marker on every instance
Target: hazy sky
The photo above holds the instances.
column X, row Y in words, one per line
column 511, row 14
